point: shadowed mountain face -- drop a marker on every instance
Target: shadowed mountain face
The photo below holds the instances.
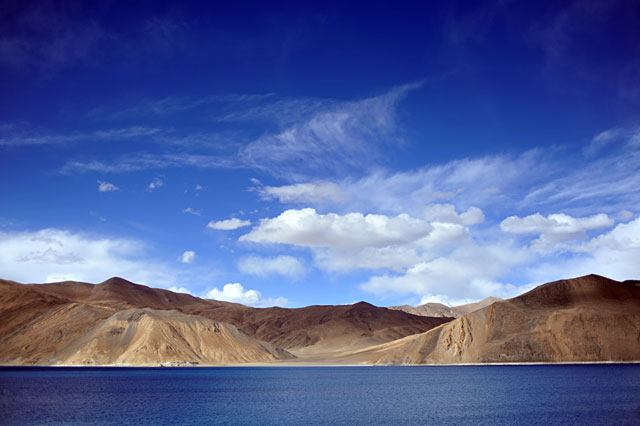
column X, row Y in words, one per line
column 325, row 328
column 590, row 318
column 67, row 322
column 440, row 310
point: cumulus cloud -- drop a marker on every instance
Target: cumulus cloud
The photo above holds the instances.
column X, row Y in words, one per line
column 311, row 192
column 469, row 273
column 53, row 254
column 447, row 213
column 307, row 228
column 156, row 183
column 228, row 224
column 555, row 228
column 613, row 254
column 236, row 293
column 192, row 211
column 106, row 187
column 287, row 266
column 188, row 256
column 180, row 290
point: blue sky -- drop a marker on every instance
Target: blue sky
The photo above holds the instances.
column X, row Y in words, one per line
column 320, row 153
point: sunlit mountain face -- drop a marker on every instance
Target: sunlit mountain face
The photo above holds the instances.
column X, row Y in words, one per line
column 293, row 155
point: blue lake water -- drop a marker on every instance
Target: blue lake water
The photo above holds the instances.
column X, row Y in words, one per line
column 471, row 395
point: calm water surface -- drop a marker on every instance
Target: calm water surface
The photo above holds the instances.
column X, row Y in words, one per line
column 471, row 395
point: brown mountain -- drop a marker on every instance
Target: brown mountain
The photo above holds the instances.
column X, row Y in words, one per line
column 49, row 323
column 150, row 336
column 79, row 323
column 325, row 329
column 590, row 318
column 440, row 310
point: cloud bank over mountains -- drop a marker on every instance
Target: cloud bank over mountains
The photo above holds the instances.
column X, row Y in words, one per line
column 455, row 231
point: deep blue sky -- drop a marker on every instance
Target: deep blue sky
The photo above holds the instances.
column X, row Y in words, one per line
column 395, row 152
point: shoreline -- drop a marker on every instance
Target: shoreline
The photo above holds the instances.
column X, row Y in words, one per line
column 315, row 364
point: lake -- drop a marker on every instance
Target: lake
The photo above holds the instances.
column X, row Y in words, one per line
column 438, row 395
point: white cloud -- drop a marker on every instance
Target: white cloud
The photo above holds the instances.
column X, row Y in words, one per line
column 156, row 183
column 136, row 162
column 613, row 254
column 604, row 139
column 312, row 192
column 192, row 211
column 447, row 213
column 555, row 228
column 199, row 188
column 188, row 256
column 54, row 254
column 179, row 290
column 106, row 187
column 228, row 224
column 553, row 178
column 307, row 228
column 395, row 257
column 491, row 181
column 610, row 179
column 625, row 215
column 236, row 293
column 342, row 137
column 624, row 237
column 282, row 265
column 469, row 273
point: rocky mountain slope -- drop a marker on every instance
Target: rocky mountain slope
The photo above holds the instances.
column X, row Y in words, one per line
column 73, row 322
column 78, row 323
column 440, row 310
column 590, row 318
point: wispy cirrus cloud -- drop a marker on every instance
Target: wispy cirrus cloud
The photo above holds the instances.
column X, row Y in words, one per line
column 345, row 137
column 541, row 180
column 50, row 36
column 310, row 192
column 146, row 161
column 21, row 135
column 220, row 107
column 613, row 175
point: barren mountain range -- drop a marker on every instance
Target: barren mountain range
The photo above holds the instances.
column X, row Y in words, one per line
column 118, row 322
column 440, row 310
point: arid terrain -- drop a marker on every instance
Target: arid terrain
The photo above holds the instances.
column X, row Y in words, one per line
column 585, row 319
column 440, row 310
column 117, row 322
